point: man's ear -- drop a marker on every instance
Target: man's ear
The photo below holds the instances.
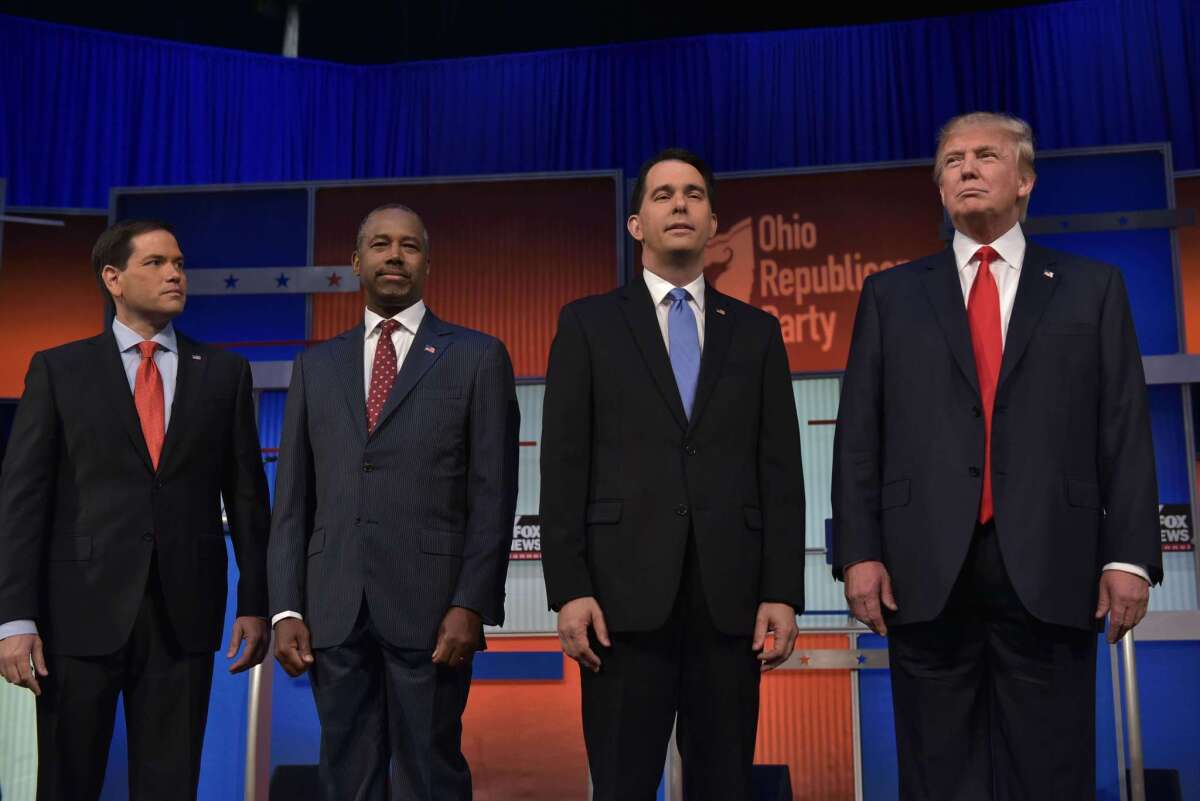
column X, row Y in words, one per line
column 634, row 226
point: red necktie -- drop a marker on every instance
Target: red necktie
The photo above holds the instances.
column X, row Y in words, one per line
column 383, row 372
column 148, row 398
column 983, row 314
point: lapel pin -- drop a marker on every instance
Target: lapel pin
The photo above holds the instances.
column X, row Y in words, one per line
column 1047, row 273
column 430, row 349
column 721, row 311
column 196, row 356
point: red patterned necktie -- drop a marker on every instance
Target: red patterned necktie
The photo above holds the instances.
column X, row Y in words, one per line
column 383, row 372
column 148, row 398
column 983, row 314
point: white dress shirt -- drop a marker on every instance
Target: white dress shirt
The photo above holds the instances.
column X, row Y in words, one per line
column 402, row 339
column 166, row 359
column 660, row 287
column 1007, row 271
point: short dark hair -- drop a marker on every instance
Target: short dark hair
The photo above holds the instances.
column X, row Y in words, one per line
column 672, row 154
column 362, row 225
column 115, row 246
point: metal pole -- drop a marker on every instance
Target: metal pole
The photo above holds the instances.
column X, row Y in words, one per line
column 1118, row 719
column 1137, row 766
column 856, row 725
column 257, row 780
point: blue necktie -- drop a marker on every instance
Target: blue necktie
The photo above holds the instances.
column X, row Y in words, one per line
column 684, row 347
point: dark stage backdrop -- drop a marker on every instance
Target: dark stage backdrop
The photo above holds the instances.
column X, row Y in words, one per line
column 82, row 111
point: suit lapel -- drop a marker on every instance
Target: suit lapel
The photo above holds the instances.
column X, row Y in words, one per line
column 1034, row 289
column 347, row 357
column 115, row 388
column 638, row 309
column 944, row 290
column 718, row 330
column 189, row 380
column 433, row 339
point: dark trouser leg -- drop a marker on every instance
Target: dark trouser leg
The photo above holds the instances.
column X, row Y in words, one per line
column 347, row 682
column 75, row 714
column 628, row 710
column 718, row 705
column 425, row 703
column 1043, row 696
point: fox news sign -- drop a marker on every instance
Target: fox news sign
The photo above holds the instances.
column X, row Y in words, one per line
column 1175, row 526
column 526, row 538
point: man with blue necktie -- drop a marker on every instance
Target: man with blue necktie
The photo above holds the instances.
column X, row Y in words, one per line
column 672, row 504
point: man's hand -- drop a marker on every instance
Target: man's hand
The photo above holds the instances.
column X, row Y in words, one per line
column 574, row 619
column 1123, row 597
column 292, row 646
column 15, row 655
column 457, row 638
column 257, row 636
column 778, row 620
column 867, row 586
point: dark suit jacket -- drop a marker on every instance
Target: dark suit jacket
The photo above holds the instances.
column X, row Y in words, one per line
column 1072, row 459
column 82, row 510
column 625, row 475
column 416, row 516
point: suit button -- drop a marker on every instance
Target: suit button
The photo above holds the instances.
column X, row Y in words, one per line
column 368, row 467
column 681, row 510
column 358, row 521
column 974, row 471
column 975, row 410
column 689, row 449
column 148, row 536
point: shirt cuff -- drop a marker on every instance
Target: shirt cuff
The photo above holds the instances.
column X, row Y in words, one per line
column 17, row 627
column 1125, row 567
column 285, row 616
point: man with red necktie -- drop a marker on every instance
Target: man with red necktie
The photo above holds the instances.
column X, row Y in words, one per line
column 393, row 516
column 993, row 492
column 112, row 549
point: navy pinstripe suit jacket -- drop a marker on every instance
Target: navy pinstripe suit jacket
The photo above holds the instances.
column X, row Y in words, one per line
column 417, row 515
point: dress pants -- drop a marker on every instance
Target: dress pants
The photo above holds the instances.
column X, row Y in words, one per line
column 166, row 706
column 686, row 668
column 991, row 703
column 391, row 721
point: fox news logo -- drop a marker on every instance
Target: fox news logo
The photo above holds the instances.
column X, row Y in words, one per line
column 526, row 538
column 1175, row 526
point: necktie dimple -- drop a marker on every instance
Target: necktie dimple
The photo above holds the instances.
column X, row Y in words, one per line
column 148, row 399
column 383, row 372
column 983, row 315
column 684, row 347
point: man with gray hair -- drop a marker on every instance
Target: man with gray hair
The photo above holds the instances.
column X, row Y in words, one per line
column 993, row 491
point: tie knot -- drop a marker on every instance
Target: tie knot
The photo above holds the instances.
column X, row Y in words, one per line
column 986, row 255
column 679, row 295
column 147, row 348
column 388, row 327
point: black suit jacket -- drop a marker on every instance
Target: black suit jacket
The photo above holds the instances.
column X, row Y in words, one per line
column 82, row 510
column 625, row 475
column 415, row 516
column 1072, row 458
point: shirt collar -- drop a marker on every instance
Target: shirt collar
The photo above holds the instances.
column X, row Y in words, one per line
column 127, row 338
column 659, row 287
column 1010, row 246
column 410, row 318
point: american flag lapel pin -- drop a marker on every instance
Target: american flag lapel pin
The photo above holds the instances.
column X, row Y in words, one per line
column 721, row 312
column 196, row 356
column 430, row 349
column 1047, row 273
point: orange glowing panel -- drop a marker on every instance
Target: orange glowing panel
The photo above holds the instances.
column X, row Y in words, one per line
column 506, row 255
column 1187, row 196
column 48, row 292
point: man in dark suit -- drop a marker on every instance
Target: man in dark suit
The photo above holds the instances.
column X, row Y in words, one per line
column 672, row 504
column 994, row 492
column 112, row 549
column 393, row 518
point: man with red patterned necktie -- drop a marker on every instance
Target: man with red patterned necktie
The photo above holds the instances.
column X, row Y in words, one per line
column 112, row 550
column 993, row 491
column 394, row 506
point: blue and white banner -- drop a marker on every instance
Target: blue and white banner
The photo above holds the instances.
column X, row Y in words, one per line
column 271, row 280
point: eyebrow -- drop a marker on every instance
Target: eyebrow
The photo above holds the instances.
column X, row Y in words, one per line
column 671, row 188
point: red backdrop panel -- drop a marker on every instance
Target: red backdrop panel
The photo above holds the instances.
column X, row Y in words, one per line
column 506, row 255
column 1187, row 196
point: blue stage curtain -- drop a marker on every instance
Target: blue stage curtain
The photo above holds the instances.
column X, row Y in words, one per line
column 83, row 111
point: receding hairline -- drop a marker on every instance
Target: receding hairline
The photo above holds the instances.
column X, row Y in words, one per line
column 1018, row 131
column 362, row 226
